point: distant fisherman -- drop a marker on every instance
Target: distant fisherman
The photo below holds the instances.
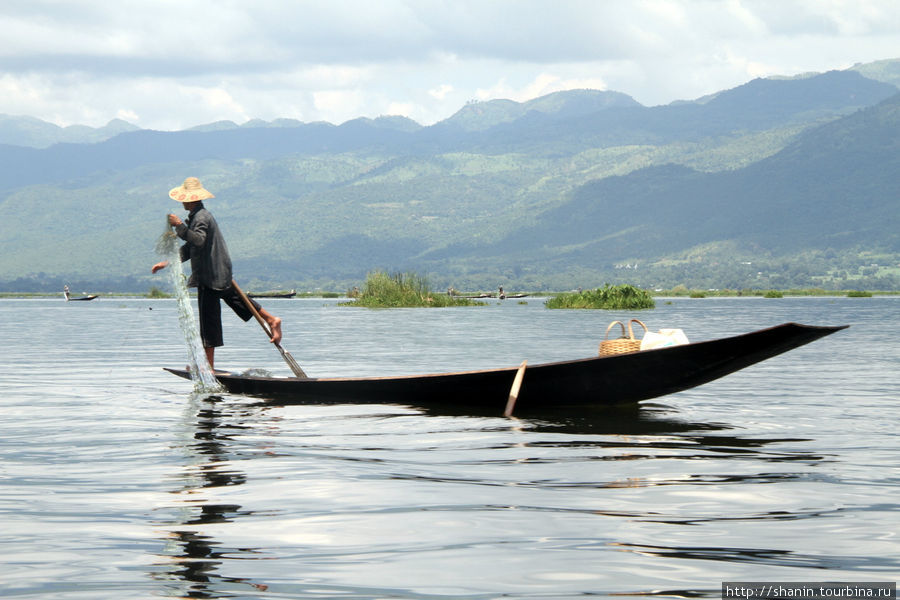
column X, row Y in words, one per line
column 210, row 267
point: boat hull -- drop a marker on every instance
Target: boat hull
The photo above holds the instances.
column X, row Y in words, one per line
column 602, row 380
column 290, row 294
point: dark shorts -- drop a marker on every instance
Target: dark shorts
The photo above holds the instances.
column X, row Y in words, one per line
column 211, row 312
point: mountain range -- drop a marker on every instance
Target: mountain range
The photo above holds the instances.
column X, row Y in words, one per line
column 777, row 182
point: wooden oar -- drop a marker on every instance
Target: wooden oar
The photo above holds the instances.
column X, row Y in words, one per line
column 262, row 322
column 514, row 390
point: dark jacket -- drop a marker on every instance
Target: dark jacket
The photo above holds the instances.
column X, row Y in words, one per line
column 205, row 246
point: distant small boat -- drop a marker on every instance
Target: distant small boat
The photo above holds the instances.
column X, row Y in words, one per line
column 503, row 295
column 70, row 298
column 289, row 294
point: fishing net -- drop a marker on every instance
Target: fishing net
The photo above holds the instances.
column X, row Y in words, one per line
column 201, row 373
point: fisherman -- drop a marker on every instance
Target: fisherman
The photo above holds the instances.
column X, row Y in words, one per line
column 210, row 267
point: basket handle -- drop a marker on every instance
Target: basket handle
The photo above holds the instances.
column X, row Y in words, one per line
column 622, row 325
column 639, row 322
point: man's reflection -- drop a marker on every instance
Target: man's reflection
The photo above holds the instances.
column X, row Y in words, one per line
column 210, row 454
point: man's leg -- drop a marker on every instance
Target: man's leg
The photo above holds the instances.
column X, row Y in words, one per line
column 233, row 299
column 210, row 322
column 274, row 324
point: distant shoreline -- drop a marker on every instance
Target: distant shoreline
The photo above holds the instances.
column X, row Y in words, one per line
column 691, row 294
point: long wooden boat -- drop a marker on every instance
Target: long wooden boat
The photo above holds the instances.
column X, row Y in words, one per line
column 596, row 381
column 289, row 294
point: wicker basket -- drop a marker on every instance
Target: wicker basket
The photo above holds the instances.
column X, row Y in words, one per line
column 623, row 344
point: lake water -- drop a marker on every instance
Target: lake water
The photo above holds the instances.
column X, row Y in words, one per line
column 116, row 482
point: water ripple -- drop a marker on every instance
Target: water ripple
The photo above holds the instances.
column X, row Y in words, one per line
column 118, row 482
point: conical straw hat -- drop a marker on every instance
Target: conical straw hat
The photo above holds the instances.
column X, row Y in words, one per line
column 190, row 191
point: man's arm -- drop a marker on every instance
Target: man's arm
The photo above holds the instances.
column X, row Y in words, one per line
column 194, row 235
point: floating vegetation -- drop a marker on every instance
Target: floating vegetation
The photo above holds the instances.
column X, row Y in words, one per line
column 859, row 294
column 609, row 297
column 402, row 290
column 773, row 294
column 155, row 292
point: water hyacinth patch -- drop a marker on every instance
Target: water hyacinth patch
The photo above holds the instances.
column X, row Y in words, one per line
column 403, row 290
column 609, row 297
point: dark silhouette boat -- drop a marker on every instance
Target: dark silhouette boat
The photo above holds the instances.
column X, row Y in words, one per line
column 289, row 294
column 596, row 381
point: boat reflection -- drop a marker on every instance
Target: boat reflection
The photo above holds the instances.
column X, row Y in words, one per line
column 766, row 556
column 192, row 557
column 634, row 420
column 654, row 426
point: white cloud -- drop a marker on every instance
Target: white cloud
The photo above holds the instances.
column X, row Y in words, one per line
column 403, row 109
column 744, row 17
column 741, row 64
column 543, row 84
column 128, row 115
column 216, row 99
column 440, row 92
column 334, row 104
column 170, row 64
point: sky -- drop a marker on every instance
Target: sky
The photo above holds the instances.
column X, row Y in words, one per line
column 174, row 64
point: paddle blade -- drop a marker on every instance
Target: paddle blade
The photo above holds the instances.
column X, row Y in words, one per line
column 293, row 364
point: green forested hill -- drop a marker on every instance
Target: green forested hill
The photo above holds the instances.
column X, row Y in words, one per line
column 34, row 133
column 833, row 190
column 576, row 188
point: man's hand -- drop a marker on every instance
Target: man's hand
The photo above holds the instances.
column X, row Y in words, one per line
column 159, row 266
column 174, row 221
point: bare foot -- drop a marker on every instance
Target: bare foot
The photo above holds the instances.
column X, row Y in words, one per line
column 275, row 326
